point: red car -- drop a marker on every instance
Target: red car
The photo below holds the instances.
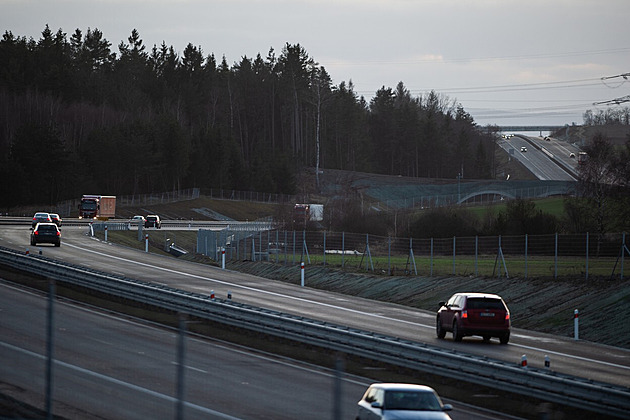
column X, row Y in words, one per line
column 467, row 314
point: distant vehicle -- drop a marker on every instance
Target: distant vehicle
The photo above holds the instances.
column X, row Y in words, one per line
column 582, row 157
column 523, row 149
column 572, row 155
column 137, row 219
column 100, row 207
column 304, row 213
column 46, row 233
column 41, row 217
column 547, row 138
column 388, row 401
column 153, row 220
column 56, row 219
column 466, row 314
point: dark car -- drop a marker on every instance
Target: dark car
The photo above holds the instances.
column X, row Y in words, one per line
column 56, row 219
column 41, row 217
column 153, row 220
column 46, row 233
column 467, row 314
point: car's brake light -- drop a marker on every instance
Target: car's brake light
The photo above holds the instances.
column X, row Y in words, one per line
column 464, row 314
column 36, row 233
column 507, row 316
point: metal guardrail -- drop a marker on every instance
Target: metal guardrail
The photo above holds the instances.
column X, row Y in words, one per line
column 125, row 224
column 545, row 384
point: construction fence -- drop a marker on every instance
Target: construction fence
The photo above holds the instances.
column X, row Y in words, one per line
column 555, row 255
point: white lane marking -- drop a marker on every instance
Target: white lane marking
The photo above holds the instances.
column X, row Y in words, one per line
column 229, row 347
column 253, row 289
column 120, row 383
column 235, row 285
column 190, row 368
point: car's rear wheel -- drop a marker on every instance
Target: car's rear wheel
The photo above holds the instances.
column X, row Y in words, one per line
column 457, row 334
column 486, row 338
column 58, row 244
column 439, row 330
column 504, row 338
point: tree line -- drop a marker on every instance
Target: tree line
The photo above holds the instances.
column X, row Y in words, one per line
column 78, row 117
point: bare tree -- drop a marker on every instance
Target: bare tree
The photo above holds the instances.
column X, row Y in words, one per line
column 598, row 178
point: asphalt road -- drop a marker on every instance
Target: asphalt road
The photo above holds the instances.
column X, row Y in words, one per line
column 107, row 367
column 128, row 370
column 536, row 160
column 580, row 358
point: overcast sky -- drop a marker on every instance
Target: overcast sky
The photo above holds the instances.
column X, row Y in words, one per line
column 507, row 62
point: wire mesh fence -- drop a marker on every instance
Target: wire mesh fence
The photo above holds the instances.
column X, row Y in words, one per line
column 554, row 255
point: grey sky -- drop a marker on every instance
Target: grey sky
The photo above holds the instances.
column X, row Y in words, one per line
column 505, row 61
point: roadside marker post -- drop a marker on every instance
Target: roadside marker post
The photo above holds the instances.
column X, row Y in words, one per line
column 576, row 325
column 302, row 274
column 105, row 233
column 524, row 361
column 547, row 362
column 146, row 242
column 223, row 258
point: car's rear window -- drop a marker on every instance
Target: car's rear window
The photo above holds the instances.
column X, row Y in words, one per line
column 484, row 303
column 47, row 229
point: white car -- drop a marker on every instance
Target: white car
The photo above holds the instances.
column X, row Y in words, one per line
column 523, row 149
column 388, row 401
column 137, row 218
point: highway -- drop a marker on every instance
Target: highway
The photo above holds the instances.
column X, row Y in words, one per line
column 590, row 360
column 539, row 154
column 111, row 367
column 128, row 370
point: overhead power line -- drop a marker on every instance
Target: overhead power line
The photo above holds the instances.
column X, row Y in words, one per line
column 616, row 101
column 624, row 75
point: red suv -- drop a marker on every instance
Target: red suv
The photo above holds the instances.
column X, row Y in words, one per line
column 481, row 314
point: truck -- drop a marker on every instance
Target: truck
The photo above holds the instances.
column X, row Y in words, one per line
column 304, row 213
column 582, row 157
column 94, row 206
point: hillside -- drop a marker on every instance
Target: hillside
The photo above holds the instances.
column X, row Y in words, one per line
column 544, row 305
column 581, row 135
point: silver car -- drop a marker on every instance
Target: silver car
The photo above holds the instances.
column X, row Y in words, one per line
column 388, row 401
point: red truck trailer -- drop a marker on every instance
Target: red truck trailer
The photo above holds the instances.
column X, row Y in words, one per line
column 100, row 207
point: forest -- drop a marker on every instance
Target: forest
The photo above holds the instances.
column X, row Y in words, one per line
column 78, row 115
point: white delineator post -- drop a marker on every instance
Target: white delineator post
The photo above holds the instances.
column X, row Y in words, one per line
column 146, row 242
column 576, row 325
column 223, row 258
column 302, row 274
column 105, row 233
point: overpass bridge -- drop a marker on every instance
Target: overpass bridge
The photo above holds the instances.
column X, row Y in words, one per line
column 465, row 193
column 549, row 128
